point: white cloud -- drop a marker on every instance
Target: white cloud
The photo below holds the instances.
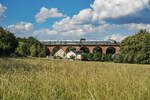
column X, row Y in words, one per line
column 44, row 32
column 67, row 28
column 2, row 10
column 92, row 20
column 134, row 26
column 103, row 9
column 45, row 13
column 117, row 37
column 84, row 16
column 21, row 27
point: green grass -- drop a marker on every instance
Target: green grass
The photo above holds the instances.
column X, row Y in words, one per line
column 44, row 79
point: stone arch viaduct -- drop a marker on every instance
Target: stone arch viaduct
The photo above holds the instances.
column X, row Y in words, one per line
column 90, row 44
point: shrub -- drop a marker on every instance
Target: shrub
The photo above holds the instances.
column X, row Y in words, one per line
column 72, row 57
column 136, row 48
column 90, row 57
column 117, row 58
column 97, row 56
column 8, row 42
column 21, row 50
column 33, row 51
column 85, row 57
column 108, row 57
column 57, row 57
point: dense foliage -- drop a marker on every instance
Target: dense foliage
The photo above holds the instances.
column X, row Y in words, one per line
column 97, row 55
column 31, row 47
column 70, row 49
column 84, row 49
column 12, row 46
column 8, row 43
column 135, row 49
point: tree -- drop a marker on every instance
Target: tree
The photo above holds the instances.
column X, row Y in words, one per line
column 27, row 46
column 114, row 41
column 21, row 50
column 82, row 39
column 136, row 48
column 108, row 57
column 33, row 41
column 33, row 51
column 72, row 57
column 85, row 50
column 117, row 58
column 97, row 56
column 33, row 47
column 109, row 52
column 90, row 57
column 43, row 51
column 85, row 57
column 47, row 52
column 8, row 42
column 70, row 49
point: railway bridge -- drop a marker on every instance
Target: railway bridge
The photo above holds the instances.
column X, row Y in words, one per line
column 80, row 44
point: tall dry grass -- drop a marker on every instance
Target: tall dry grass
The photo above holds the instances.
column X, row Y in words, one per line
column 43, row 79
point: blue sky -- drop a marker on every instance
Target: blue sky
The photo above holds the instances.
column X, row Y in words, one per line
column 75, row 19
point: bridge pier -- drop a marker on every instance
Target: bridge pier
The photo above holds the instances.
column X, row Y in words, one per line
column 117, row 48
column 64, row 48
column 51, row 48
column 91, row 48
column 104, row 49
column 77, row 48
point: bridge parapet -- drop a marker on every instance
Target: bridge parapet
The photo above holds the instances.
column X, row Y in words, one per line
column 78, row 42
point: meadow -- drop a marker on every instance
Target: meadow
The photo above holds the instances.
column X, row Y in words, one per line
column 45, row 79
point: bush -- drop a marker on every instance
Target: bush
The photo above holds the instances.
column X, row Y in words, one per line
column 27, row 46
column 97, row 56
column 136, row 48
column 108, row 57
column 90, row 57
column 8, row 42
column 33, row 47
column 21, row 50
column 85, row 57
column 57, row 57
column 72, row 57
column 117, row 58
column 33, row 51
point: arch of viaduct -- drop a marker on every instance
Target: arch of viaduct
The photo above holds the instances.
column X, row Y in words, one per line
column 64, row 44
column 104, row 45
column 91, row 48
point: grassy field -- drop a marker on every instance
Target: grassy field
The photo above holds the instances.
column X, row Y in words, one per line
column 44, row 79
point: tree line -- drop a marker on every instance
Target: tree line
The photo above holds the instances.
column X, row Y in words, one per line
column 20, row 47
column 133, row 49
